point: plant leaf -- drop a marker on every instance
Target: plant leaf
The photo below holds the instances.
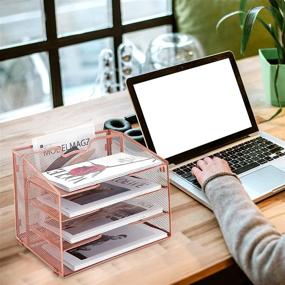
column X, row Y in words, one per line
column 249, row 21
column 278, row 4
column 282, row 5
column 275, row 3
column 283, row 34
column 283, row 40
column 274, row 35
column 242, row 6
column 227, row 17
column 277, row 16
column 271, row 31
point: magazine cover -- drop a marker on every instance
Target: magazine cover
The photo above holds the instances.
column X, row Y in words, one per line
column 110, row 244
column 65, row 142
column 108, row 193
column 81, row 175
column 104, row 220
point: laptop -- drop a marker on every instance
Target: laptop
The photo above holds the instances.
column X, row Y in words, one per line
column 199, row 109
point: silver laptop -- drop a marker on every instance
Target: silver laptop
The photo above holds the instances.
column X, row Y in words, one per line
column 198, row 109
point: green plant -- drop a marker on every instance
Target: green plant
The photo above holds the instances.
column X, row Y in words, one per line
column 249, row 17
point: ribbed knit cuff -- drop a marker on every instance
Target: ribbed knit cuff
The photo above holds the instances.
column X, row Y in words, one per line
column 217, row 175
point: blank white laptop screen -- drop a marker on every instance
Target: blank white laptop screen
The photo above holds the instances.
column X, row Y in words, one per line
column 190, row 108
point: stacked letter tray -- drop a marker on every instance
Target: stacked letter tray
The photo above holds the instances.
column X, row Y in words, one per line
column 43, row 220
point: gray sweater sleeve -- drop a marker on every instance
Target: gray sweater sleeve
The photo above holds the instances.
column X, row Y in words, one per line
column 251, row 239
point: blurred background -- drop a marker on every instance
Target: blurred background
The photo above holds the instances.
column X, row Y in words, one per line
column 72, row 32
column 61, row 52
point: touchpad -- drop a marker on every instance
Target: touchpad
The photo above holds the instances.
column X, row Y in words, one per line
column 263, row 180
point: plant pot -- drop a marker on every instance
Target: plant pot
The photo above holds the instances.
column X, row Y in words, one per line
column 268, row 74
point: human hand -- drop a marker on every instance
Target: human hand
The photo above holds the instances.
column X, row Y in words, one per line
column 208, row 167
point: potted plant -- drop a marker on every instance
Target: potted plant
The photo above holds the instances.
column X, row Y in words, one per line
column 272, row 60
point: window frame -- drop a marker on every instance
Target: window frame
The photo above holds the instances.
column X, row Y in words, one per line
column 53, row 43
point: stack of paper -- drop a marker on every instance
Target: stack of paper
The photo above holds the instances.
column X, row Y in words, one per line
column 84, row 174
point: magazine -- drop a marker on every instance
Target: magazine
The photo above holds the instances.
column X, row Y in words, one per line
column 84, row 174
column 66, row 141
column 108, row 193
column 110, row 244
column 104, row 220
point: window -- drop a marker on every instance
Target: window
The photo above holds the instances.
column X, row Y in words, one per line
column 134, row 10
column 24, row 86
column 80, row 16
column 80, row 74
column 21, row 22
column 49, row 48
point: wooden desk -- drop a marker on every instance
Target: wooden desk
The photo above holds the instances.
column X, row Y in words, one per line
column 195, row 250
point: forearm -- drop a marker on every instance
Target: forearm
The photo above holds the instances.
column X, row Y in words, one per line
column 253, row 242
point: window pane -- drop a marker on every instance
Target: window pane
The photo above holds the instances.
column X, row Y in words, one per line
column 78, row 16
column 140, row 42
column 24, row 86
column 79, row 70
column 21, row 21
column 137, row 10
column 143, row 38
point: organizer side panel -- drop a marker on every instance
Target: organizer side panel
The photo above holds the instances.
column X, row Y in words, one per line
column 161, row 198
column 19, row 193
column 43, row 221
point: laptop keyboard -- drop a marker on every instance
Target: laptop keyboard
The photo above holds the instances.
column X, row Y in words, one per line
column 240, row 158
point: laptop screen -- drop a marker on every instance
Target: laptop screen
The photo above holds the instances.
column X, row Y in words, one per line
column 193, row 107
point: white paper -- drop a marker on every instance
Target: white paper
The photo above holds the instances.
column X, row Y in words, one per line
column 110, row 244
column 106, row 219
column 81, row 175
column 108, row 193
column 79, row 137
column 54, row 144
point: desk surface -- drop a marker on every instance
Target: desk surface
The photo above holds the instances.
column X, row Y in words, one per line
column 195, row 250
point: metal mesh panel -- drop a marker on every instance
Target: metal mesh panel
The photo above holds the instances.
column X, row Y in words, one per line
column 161, row 222
column 43, row 222
column 159, row 198
column 156, row 174
column 19, row 192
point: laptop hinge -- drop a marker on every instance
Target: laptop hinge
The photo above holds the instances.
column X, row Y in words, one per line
column 255, row 134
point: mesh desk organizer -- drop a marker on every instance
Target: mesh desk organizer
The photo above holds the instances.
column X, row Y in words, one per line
column 30, row 184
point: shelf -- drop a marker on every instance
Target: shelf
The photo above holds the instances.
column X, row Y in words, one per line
column 67, row 219
column 42, row 183
column 51, row 212
column 54, row 213
column 46, row 235
column 54, row 239
column 68, row 246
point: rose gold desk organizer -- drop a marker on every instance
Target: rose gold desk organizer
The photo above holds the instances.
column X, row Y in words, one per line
column 30, row 183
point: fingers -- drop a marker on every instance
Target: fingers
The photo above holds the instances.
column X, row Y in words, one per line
column 209, row 166
column 208, row 160
column 215, row 158
column 223, row 163
column 219, row 161
column 202, row 164
column 197, row 173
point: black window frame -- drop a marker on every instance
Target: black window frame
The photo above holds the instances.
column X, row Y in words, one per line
column 53, row 43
